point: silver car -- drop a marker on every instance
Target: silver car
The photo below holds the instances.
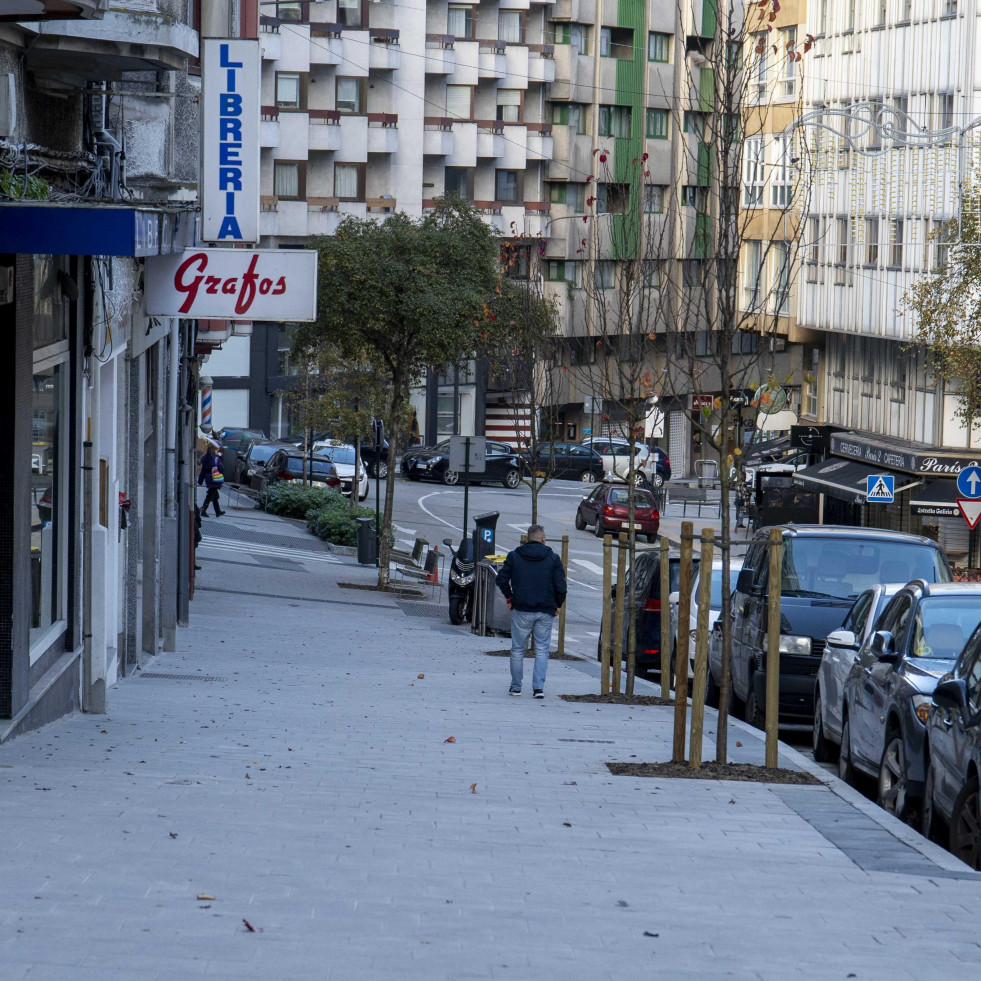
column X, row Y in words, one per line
column 839, row 655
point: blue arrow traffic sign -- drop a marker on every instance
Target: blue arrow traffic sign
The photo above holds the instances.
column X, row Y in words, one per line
column 969, row 481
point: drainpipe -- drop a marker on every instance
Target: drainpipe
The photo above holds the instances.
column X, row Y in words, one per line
column 103, row 138
column 170, row 498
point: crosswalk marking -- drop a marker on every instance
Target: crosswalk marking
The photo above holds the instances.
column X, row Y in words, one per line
column 590, row 566
column 276, row 551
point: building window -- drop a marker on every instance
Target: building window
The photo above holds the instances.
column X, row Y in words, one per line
column 349, row 181
column 658, row 47
column 555, row 271
column 753, row 173
column 349, row 13
column 569, row 114
column 949, row 8
column 459, row 102
column 459, row 21
column 744, row 342
column 693, row 196
column 650, row 271
column 348, row 95
column 614, row 121
column 695, row 123
column 606, row 274
column 506, row 186
column 288, row 90
column 288, row 179
column 657, row 124
column 790, row 67
column 945, row 102
column 458, row 181
column 612, row 198
column 509, row 105
column 907, row 11
column 781, row 268
column 781, row 187
column 842, row 273
column 575, row 34
column 753, row 276
column 811, row 385
column 871, row 241
column 812, row 246
column 896, row 243
column 849, row 16
column 291, row 11
column 761, row 66
column 693, row 273
column 654, row 198
column 510, row 27
column 880, row 19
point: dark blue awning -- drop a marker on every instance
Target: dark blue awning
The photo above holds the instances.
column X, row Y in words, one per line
column 88, row 229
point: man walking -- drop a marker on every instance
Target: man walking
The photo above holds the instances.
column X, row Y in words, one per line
column 212, row 476
column 533, row 582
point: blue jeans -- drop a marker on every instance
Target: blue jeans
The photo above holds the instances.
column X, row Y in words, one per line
column 523, row 624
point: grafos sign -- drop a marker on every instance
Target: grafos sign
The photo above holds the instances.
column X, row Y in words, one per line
column 233, row 284
column 230, row 141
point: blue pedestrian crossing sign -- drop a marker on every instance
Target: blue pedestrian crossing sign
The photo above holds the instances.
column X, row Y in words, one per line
column 969, row 481
column 880, row 488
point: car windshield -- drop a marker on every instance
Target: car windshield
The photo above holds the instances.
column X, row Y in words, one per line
column 715, row 600
column 339, row 454
column 943, row 624
column 261, row 452
column 841, row 568
column 621, row 495
column 314, row 466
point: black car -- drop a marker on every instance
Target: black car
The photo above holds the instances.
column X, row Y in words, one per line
column 646, row 574
column 252, row 456
column 287, row 464
column 566, row 461
column 502, row 464
column 824, row 570
column 232, row 441
column 887, row 694
column 951, row 799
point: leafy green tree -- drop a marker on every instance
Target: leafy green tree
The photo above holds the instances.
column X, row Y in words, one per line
column 403, row 295
column 947, row 309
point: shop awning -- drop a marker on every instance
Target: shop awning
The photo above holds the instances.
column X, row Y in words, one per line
column 80, row 229
column 936, row 497
column 847, row 480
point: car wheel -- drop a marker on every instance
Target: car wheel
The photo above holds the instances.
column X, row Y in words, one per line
column 598, row 529
column 640, row 480
column 824, row 751
column 846, row 771
column 892, row 778
column 931, row 825
column 712, row 691
column 754, row 714
column 580, row 523
column 587, row 477
column 512, row 478
column 450, row 477
column 457, row 609
column 657, row 480
column 379, row 470
column 652, row 539
column 965, row 825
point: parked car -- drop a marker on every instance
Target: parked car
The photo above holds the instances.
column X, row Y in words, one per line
column 715, row 608
column 252, row 457
column 344, row 458
column 567, row 461
column 607, row 510
column 887, row 694
column 287, row 464
column 376, row 464
column 232, row 440
column 840, row 650
column 651, row 467
column 646, row 573
column 953, row 757
column 825, row 568
column 502, row 464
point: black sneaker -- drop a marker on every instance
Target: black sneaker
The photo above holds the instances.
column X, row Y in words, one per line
column 538, row 693
column 514, row 691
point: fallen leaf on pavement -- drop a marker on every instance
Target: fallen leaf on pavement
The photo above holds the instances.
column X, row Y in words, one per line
column 565, row 824
column 205, row 895
column 473, row 788
column 571, row 783
column 420, row 676
column 247, row 776
column 173, row 834
column 739, row 744
column 452, row 739
column 647, row 933
column 248, row 926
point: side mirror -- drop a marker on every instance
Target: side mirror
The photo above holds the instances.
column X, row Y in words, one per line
column 951, row 694
column 883, row 646
column 674, row 597
column 842, row 638
column 448, row 541
column 746, row 581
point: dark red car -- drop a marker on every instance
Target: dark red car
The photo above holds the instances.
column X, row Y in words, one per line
column 606, row 509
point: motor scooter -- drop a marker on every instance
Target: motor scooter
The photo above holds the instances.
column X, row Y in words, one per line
column 461, row 580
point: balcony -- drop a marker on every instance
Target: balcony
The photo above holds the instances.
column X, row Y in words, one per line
column 383, row 132
column 282, row 218
column 270, row 43
column 325, row 129
column 322, row 216
column 490, row 138
column 464, row 144
column 541, row 63
column 466, row 67
column 514, row 4
column 492, row 214
column 354, row 138
column 385, row 205
column 493, row 62
column 437, row 137
column 514, row 147
column 383, row 52
column 540, row 142
column 269, row 127
column 326, row 46
column 294, row 134
column 536, row 219
column 440, row 54
column 295, row 47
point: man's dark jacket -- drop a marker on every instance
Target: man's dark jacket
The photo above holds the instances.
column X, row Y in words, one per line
column 533, row 579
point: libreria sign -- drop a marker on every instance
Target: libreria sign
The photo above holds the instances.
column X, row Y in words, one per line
column 230, row 140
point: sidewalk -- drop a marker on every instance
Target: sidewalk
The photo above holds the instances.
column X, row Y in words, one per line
column 291, row 760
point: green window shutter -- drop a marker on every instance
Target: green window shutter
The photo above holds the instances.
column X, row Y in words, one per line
column 704, row 165
column 709, row 17
column 706, row 90
column 560, row 114
column 562, row 34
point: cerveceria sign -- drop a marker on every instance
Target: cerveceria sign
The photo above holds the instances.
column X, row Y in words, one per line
column 926, row 461
column 236, row 284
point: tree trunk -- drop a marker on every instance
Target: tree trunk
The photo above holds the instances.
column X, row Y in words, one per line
column 385, row 538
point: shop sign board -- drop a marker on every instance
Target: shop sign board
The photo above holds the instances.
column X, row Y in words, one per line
column 230, row 112
column 233, row 284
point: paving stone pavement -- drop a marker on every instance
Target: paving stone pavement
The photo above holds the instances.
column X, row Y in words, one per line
column 291, row 759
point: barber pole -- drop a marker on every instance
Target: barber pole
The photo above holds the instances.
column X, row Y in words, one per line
column 206, row 403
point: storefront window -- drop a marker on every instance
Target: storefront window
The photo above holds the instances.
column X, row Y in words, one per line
column 48, row 501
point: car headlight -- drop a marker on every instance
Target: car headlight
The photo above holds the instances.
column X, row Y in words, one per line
column 791, row 644
column 921, row 707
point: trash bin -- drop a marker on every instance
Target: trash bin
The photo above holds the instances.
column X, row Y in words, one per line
column 485, row 534
column 490, row 612
column 367, row 553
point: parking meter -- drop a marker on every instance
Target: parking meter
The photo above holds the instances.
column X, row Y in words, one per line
column 485, row 534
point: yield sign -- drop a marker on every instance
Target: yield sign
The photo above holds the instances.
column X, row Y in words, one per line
column 971, row 509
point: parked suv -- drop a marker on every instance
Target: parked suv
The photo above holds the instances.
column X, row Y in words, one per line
column 824, row 570
column 651, row 466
